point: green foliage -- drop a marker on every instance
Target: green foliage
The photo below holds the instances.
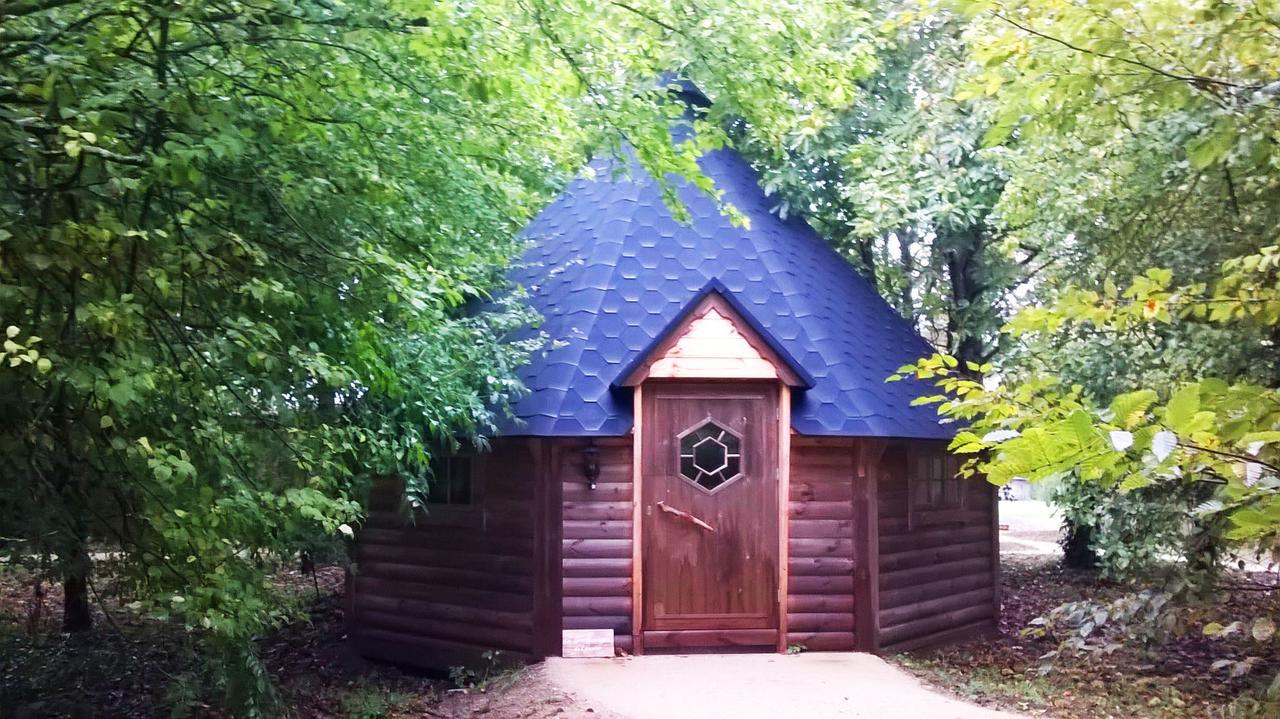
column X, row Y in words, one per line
column 1137, row 146
column 1109, row 110
column 223, row 221
column 1135, row 143
column 1099, row 629
column 366, row 701
column 1137, row 531
column 264, row 246
column 1157, row 470
column 493, row 669
column 901, row 183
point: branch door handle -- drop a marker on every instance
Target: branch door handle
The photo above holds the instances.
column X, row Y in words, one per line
column 685, row 516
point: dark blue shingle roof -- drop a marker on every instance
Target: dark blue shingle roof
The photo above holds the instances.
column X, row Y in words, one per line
column 610, row 269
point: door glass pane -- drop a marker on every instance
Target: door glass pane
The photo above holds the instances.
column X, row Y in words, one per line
column 710, row 455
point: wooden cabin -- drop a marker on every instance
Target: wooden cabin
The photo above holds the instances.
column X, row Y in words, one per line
column 708, row 458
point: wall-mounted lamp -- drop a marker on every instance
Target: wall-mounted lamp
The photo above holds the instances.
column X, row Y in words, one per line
column 591, row 464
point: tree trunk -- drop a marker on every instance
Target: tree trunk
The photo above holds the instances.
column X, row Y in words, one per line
column 77, row 615
column 1077, row 549
column 965, row 274
column 906, row 297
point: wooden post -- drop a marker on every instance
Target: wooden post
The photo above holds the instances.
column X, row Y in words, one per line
column 866, row 550
column 784, row 513
column 548, row 612
column 637, row 512
column 997, row 590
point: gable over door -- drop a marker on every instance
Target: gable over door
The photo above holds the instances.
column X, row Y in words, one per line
column 709, row 503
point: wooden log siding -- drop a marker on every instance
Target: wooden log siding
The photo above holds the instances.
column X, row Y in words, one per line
column 596, row 540
column 820, row 598
column 445, row 586
column 938, row 576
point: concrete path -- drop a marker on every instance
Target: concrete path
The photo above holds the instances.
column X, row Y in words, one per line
column 1029, row 515
column 823, row 685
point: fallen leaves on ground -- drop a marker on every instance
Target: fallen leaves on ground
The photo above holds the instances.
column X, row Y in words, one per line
column 132, row 666
column 1172, row 681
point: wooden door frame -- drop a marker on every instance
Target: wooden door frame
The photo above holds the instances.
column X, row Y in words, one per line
column 637, row 510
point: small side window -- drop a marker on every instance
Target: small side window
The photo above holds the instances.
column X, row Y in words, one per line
column 451, row 481
column 934, row 483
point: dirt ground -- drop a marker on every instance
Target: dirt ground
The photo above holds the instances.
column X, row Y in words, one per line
column 132, row 667
column 1174, row 680
column 135, row 667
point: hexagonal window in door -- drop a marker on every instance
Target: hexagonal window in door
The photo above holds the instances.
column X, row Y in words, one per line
column 710, row 455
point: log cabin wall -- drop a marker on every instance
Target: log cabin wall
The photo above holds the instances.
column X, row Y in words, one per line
column 820, row 593
column 597, row 536
column 939, row 550
column 439, row 589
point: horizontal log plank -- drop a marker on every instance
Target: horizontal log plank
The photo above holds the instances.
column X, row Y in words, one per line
column 820, row 510
column 939, row 605
column 832, row 622
column 819, row 604
column 821, row 529
column 447, row 577
column 820, row 547
column 897, row 597
column 597, row 586
column 953, row 635
column 596, row 606
column 577, row 491
column 936, row 519
column 442, row 612
column 821, row 641
column 596, row 548
column 921, row 575
column 497, row 638
column 500, row 601
column 597, row 529
column 450, row 539
column 574, row 567
column 800, row 585
column 596, row 510
column 819, row 566
column 619, row 624
column 934, row 555
column 811, row 491
column 444, row 559
column 895, row 543
column 936, row 623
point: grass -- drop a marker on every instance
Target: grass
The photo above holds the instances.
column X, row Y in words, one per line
column 372, row 701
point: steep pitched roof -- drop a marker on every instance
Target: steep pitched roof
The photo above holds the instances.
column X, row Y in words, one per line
column 611, row 270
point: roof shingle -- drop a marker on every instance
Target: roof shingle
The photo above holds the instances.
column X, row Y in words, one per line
column 609, row 269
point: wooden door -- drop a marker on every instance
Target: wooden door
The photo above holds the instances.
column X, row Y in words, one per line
column 709, row 494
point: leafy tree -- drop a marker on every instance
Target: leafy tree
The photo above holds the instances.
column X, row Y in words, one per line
column 1141, row 153
column 1140, row 139
column 237, row 241
column 1110, row 171
column 243, row 244
column 902, row 184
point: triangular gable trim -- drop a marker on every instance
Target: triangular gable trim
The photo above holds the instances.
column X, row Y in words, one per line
column 788, row 370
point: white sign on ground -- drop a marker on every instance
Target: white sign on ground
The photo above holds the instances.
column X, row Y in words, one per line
column 587, row 643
